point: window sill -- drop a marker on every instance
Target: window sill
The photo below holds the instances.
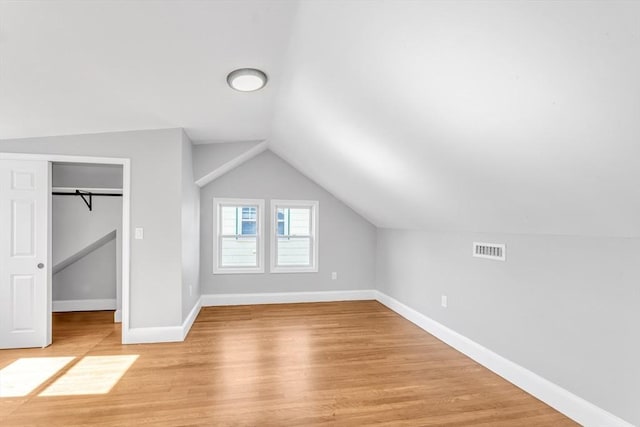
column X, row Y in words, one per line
column 238, row 271
column 279, row 270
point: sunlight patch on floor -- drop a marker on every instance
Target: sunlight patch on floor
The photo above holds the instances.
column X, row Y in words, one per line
column 24, row 375
column 91, row 375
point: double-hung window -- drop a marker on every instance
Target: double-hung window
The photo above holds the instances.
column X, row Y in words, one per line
column 239, row 245
column 294, row 236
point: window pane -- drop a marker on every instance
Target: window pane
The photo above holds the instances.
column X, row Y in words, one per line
column 294, row 251
column 249, row 227
column 300, row 221
column 249, row 213
column 228, row 220
column 283, row 215
column 239, row 252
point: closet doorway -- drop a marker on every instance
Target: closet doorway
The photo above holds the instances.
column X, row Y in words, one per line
column 27, row 246
column 86, row 228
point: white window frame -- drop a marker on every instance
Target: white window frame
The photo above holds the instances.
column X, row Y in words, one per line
column 218, row 203
column 314, row 205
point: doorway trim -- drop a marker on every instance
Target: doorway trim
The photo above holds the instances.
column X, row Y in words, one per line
column 126, row 221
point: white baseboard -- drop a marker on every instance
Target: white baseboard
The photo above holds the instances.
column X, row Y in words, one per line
column 83, row 305
column 117, row 316
column 286, row 297
column 188, row 322
column 179, row 333
column 164, row 333
column 155, row 334
column 574, row 407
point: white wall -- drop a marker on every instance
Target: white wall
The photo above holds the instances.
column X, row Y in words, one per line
column 190, row 217
column 563, row 307
column 156, row 262
column 347, row 241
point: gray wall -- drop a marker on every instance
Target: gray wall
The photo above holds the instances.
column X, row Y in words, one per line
column 156, row 267
column 75, row 228
column 88, row 176
column 91, row 277
column 190, row 217
column 98, row 274
column 563, row 307
column 346, row 240
column 209, row 157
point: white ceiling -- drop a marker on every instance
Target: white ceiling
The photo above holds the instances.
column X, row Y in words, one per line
column 500, row 116
column 69, row 67
column 508, row 116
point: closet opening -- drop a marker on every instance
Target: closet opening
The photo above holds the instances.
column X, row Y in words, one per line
column 86, row 249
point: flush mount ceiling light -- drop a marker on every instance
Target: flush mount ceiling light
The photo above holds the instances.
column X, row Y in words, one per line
column 247, row 79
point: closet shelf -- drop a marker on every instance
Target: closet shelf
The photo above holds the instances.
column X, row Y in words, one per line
column 72, row 190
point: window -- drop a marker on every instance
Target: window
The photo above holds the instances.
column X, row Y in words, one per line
column 294, row 236
column 238, row 246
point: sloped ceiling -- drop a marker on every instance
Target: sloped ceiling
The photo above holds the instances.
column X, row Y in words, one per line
column 516, row 116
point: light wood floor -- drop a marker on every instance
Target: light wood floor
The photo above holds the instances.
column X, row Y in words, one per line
column 344, row 364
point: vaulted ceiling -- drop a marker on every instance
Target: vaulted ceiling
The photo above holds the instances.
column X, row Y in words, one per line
column 518, row 116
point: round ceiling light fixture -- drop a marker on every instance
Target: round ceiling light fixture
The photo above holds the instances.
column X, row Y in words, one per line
column 247, row 79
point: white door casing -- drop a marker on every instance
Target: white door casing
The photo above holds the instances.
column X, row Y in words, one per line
column 24, row 254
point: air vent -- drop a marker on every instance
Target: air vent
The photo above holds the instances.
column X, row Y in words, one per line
column 489, row 250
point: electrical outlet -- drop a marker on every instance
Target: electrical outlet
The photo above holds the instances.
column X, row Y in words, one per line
column 139, row 233
column 443, row 301
column 190, row 290
column 334, row 275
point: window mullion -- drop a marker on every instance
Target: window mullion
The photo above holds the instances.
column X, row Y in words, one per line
column 289, row 223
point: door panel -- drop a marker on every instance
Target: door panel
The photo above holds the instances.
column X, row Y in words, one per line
column 23, row 295
column 24, row 246
column 23, row 180
column 23, row 227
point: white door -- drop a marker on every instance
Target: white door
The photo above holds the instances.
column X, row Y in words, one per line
column 25, row 311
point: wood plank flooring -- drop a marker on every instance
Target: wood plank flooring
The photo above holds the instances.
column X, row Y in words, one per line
column 342, row 364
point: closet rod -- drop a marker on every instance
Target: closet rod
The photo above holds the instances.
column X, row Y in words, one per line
column 83, row 194
column 57, row 193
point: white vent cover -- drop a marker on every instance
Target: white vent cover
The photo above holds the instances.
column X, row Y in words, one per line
column 489, row 250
